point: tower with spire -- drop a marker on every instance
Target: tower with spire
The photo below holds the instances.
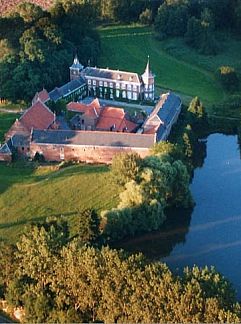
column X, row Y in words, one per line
column 75, row 69
column 148, row 83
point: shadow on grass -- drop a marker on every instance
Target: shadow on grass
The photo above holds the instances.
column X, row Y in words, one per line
column 24, row 172
column 35, row 220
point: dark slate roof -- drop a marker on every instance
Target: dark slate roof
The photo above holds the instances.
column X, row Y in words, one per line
column 76, row 64
column 169, row 108
column 160, row 132
column 66, row 89
column 20, row 140
column 115, row 75
column 93, row 138
column 4, row 149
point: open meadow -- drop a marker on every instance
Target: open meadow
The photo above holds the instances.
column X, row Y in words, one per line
column 29, row 192
column 176, row 66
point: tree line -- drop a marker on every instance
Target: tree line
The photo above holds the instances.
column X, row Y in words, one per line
column 56, row 278
column 37, row 46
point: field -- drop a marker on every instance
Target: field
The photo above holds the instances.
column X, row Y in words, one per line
column 30, row 193
column 6, row 120
column 176, row 66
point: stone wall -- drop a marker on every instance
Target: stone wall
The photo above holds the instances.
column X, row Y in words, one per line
column 88, row 154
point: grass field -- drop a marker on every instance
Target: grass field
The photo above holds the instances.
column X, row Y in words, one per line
column 28, row 193
column 6, row 120
column 176, row 66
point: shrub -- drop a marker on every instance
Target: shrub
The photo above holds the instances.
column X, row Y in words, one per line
column 228, row 77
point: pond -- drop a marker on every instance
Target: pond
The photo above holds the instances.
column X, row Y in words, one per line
column 211, row 234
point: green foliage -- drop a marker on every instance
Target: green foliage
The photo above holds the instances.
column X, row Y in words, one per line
column 40, row 51
column 200, row 33
column 145, row 17
column 91, row 285
column 228, row 77
column 125, row 167
column 171, row 19
column 88, row 226
column 167, row 150
column 197, row 114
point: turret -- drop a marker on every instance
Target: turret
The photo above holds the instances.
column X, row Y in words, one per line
column 75, row 69
column 148, row 83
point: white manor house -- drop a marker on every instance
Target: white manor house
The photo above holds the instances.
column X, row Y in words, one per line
column 115, row 84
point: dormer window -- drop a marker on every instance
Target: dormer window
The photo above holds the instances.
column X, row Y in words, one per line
column 119, row 76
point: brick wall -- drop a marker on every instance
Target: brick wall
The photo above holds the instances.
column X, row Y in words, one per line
column 89, row 154
column 6, row 157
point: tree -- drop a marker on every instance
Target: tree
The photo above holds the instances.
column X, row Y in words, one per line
column 228, row 78
column 126, row 167
column 145, row 17
column 171, row 19
column 88, row 226
column 200, row 33
column 197, row 113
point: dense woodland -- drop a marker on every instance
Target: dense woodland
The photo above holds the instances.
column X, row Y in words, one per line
column 37, row 46
column 59, row 279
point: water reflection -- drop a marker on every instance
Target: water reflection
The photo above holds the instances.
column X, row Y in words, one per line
column 160, row 243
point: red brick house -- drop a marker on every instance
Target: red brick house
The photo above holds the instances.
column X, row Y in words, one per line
column 38, row 116
column 102, row 118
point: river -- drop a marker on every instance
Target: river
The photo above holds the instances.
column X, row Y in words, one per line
column 211, row 234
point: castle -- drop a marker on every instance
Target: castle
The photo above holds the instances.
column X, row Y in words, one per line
column 106, row 84
column 95, row 132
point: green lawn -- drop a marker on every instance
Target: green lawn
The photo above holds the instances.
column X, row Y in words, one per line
column 28, row 193
column 6, row 120
column 127, row 48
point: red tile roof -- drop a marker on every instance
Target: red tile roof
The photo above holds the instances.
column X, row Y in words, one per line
column 107, row 116
column 42, row 95
column 38, row 116
column 93, row 109
column 116, row 117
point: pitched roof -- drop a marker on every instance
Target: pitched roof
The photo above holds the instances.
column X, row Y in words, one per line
column 148, row 73
column 4, row 149
column 163, row 113
column 42, row 96
column 38, row 116
column 66, row 89
column 93, row 109
column 111, row 74
column 115, row 118
column 76, row 64
column 92, row 138
column 20, row 140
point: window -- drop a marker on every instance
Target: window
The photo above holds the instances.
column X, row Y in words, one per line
column 94, row 82
column 111, row 85
column 123, row 86
column 111, row 96
column 129, row 95
column 123, row 94
column 129, row 86
column 134, row 87
column 135, row 96
column 89, row 81
column 111, row 90
column 100, row 83
column 117, row 85
column 117, row 93
column 105, row 84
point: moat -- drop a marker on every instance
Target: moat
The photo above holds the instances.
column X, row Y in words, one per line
column 211, row 233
